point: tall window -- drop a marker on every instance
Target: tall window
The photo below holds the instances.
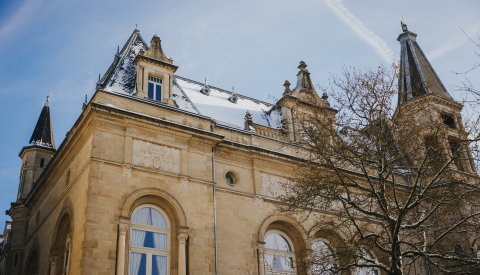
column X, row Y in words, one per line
column 323, row 257
column 66, row 255
column 149, row 242
column 154, row 88
column 279, row 255
column 367, row 257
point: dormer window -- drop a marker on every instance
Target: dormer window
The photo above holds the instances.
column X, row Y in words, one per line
column 233, row 98
column 205, row 90
column 154, row 88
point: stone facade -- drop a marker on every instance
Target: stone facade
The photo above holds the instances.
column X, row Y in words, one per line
column 216, row 185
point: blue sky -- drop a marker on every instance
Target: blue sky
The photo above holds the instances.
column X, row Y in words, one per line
column 58, row 48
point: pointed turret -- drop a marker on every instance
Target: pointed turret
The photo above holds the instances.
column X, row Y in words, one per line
column 42, row 134
column 417, row 77
column 37, row 154
column 428, row 119
column 298, row 104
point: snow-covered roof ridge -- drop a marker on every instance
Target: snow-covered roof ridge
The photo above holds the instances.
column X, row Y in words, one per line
column 226, row 91
column 217, row 106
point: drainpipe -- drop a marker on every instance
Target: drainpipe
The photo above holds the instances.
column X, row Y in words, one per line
column 214, row 211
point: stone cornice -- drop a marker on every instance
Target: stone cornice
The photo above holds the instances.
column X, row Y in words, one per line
column 154, row 61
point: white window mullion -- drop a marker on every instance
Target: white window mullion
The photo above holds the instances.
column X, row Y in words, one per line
column 149, row 264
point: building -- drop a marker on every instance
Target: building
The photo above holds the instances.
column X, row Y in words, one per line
column 161, row 174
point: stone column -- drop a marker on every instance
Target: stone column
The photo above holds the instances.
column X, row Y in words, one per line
column 53, row 264
column 122, row 237
column 261, row 257
column 182, row 255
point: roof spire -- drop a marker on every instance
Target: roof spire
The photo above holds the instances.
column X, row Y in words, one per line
column 84, row 105
column 404, row 26
column 42, row 134
column 417, row 76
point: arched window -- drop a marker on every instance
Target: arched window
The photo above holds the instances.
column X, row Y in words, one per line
column 323, row 257
column 366, row 257
column 61, row 248
column 279, row 254
column 149, row 242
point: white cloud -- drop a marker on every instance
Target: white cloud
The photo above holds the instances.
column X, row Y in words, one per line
column 357, row 26
column 455, row 41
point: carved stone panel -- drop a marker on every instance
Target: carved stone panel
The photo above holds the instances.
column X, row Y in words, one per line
column 156, row 156
column 273, row 186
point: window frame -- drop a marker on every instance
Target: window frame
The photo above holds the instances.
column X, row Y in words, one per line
column 367, row 270
column 282, row 253
column 150, row 252
column 157, row 84
column 330, row 247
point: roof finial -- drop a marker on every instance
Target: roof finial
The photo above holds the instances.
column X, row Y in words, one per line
column 118, row 49
column 136, row 27
column 287, row 90
column 248, row 125
column 85, row 102
column 47, row 101
column 404, row 26
column 302, row 66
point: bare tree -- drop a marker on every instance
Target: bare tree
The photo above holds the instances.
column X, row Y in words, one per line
column 403, row 198
column 472, row 97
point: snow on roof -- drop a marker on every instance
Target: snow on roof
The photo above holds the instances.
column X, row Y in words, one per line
column 121, row 75
column 217, row 106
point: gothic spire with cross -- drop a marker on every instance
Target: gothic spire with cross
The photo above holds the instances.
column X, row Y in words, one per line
column 417, row 76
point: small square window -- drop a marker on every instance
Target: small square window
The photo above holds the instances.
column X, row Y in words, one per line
column 42, row 162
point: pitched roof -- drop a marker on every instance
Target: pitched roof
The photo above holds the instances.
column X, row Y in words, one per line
column 120, row 78
column 42, row 134
column 417, row 76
